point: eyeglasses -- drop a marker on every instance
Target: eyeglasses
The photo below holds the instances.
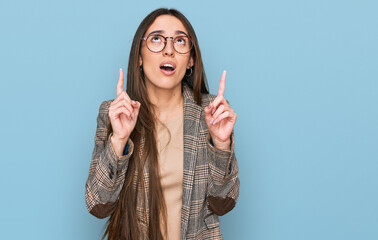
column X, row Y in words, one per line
column 156, row 43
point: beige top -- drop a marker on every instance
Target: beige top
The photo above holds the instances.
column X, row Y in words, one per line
column 170, row 144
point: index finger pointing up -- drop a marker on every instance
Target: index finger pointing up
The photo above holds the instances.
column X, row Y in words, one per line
column 222, row 84
column 120, row 82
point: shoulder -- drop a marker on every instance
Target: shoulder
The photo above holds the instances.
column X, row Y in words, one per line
column 104, row 106
column 207, row 98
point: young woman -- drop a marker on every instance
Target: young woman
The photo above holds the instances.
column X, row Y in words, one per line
column 163, row 165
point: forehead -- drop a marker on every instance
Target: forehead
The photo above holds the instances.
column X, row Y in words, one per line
column 168, row 25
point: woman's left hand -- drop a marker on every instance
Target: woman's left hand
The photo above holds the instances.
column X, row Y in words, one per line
column 220, row 118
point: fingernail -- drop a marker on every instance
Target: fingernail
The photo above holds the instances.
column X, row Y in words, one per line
column 133, row 101
column 212, row 112
column 120, row 69
column 216, row 120
column 224, row 70
column 211, row 121
column 132, row 116
column 209, row 106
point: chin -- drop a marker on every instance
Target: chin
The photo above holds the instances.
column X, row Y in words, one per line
column 166, row 82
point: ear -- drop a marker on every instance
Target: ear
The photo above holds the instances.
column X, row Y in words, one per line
column 190, row 63
column 140, row 60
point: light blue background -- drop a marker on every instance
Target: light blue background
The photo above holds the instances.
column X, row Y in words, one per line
column 302, row 77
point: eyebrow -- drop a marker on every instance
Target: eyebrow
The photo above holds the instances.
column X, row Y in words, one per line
column 161, row 31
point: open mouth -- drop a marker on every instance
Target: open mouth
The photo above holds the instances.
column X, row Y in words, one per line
column 168, row 68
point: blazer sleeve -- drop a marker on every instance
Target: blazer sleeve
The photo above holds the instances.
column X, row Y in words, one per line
column 107, row 170
column 223, row 189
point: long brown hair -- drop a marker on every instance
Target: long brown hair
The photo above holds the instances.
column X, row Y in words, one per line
column 124, row 222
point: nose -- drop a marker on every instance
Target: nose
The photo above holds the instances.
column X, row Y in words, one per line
column 169, row 50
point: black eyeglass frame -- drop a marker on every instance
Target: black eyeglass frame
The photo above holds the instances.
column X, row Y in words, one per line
column 165, row 42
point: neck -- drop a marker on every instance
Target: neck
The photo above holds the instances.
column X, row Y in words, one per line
column 169, row 102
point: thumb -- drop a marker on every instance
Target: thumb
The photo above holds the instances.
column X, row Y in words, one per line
column 136, row 106
column 208, row 114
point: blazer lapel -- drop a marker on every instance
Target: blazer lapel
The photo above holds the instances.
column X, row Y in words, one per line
column 192, row 114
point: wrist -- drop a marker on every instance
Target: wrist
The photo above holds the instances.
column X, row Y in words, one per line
column 222, row 144
column 117, row 139
column 118, row 145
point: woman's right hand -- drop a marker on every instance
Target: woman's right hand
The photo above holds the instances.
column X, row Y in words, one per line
column 123, row 113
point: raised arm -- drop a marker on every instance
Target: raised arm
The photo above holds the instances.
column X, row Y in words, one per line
column 111, row 153
column 223, row 189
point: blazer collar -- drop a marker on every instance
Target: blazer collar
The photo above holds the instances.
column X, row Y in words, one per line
column 192, row 116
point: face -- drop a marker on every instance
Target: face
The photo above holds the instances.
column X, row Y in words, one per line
column 165, row 69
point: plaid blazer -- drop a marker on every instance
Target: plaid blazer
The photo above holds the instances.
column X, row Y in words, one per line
column 210, row 184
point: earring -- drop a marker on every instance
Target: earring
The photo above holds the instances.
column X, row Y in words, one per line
column 191, row 71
